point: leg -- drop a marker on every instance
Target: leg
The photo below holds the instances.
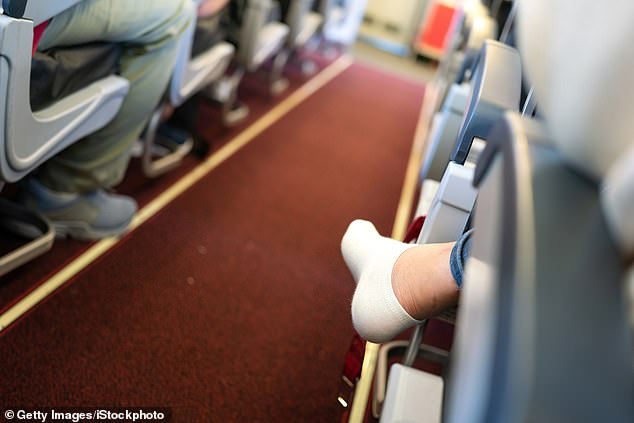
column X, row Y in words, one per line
column 398, row 284
column 149, row 31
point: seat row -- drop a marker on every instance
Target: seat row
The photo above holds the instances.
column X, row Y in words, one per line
column 542, row 331
column 55, row 98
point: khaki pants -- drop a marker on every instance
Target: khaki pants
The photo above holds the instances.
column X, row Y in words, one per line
column 149, row 31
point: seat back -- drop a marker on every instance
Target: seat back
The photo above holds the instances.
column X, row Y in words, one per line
column 255, row 16
column 302, row 22
column 497, row 85
column 542, row 330
column 496, row 88
column 587, row 94
column 28, row 138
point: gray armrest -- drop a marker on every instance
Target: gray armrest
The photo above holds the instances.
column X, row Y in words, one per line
column 259, row 38
column 496, row 88
column 302, row 22
column 199, row 72
column 37, row 11
column 255, row 17
column 542, row 330
column 28, row 138
column 192, row 74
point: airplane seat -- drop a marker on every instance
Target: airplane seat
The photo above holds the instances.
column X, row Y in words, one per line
column 304, row 24
column 198, row 65
column 302, row 21
column 69, row 111
column 447, row 120
column 259, row 38
column 496, row 89
column 472, row 28
column 543, row 330
column 606, row 76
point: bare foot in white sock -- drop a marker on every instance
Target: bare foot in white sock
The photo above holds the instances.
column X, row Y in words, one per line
column 397, row 284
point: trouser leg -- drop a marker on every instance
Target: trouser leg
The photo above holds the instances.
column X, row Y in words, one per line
column 149, row 32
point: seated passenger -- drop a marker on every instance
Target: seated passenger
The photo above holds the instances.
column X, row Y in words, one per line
column 72, row 188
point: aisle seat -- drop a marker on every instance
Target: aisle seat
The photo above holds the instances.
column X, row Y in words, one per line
column 192, row 73
column 29, row 136
column 496, row 88
column 304, row 25
column 543, row 332
column 302, row 21
column 448, row 120
column 260, row 39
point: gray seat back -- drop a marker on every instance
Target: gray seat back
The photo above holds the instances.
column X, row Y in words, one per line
column 542, row 331
column 496, row 87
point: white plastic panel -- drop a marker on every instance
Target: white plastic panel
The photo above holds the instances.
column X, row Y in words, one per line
column 428, row 192
column 270, row 39
column 451, row 207
column 412, row 396
column 191, row 76
column 309, row 28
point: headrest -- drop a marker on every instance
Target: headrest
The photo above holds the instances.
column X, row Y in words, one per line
column 579, row 57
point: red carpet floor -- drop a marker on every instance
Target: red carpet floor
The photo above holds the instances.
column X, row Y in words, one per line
column 16, row 284
column 232, row 304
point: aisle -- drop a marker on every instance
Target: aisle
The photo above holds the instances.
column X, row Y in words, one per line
column 231, row 304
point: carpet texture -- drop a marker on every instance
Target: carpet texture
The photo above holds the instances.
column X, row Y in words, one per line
column 232, row 304
column 252, row 92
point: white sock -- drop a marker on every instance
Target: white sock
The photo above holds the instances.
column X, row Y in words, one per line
column 376, row 313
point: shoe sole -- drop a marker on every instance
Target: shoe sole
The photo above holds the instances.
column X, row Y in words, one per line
column 82, row 232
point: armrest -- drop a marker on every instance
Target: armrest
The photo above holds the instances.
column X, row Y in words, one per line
column 37, row 11
column 255, row 17
column 295, row 16
column 193, row 73
column 27, row 138
column 496, row 88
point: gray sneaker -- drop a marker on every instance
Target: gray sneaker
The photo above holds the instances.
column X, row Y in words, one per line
column 90, row 216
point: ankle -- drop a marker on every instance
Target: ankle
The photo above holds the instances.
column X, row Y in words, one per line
column 422, row 281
